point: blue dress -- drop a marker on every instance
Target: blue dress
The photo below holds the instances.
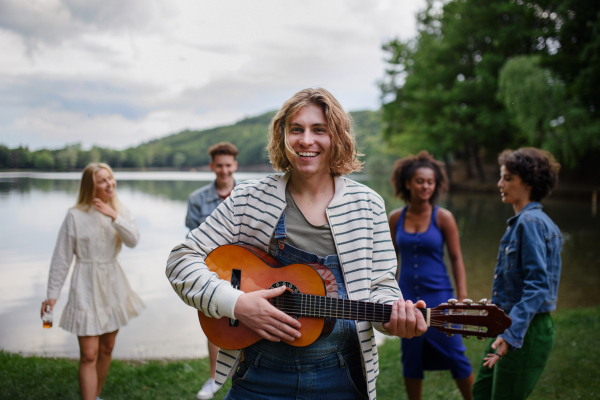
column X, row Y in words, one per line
column 423, row 276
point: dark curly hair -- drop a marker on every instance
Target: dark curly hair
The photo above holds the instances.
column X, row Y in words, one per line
column 536, row 168
column 405, row 168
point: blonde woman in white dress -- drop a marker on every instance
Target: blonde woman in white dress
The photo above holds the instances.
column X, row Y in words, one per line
column 100, row 298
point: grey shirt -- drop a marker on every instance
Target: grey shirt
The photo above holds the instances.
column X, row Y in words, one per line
column 302, row 234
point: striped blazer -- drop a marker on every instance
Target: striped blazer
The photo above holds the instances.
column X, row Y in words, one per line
column 358, row 221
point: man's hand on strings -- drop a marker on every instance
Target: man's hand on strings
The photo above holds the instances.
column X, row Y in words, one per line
column 406, row 321
column 254, row 310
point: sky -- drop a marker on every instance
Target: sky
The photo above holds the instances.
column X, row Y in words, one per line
column 118, row 73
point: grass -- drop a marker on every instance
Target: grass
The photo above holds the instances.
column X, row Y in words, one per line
column 573, row 371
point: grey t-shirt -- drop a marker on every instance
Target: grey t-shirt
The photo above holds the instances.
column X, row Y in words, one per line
column 304, row 235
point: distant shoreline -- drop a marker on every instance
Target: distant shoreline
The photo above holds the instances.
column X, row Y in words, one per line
column 566, row 187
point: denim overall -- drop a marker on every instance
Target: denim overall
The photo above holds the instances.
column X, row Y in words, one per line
column 329, row 368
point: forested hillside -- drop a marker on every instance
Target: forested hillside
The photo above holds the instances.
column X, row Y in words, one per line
column 184, row 150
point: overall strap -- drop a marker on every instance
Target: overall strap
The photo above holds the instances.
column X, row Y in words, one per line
column 281, row 231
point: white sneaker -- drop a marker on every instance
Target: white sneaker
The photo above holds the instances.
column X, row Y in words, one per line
column 209, row 388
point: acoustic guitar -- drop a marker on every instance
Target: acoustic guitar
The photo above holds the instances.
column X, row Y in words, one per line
column 312, row 298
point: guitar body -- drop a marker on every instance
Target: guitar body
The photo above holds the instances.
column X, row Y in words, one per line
column 258, row 270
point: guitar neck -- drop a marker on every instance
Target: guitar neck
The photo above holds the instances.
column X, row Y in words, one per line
column 308, row 305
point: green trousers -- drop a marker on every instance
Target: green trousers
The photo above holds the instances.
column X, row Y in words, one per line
column 515, row 375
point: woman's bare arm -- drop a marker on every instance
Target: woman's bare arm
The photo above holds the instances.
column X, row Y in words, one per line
column 393, row 221
column 449, row 229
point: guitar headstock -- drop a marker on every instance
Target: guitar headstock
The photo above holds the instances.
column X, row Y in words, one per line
column 469, row 319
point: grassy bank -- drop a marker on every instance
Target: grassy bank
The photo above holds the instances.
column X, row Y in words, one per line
column 573, row 371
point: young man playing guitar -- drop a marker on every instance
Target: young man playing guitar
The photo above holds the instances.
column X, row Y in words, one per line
column 311, row 214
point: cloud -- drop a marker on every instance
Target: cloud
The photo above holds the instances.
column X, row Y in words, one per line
column 51, row 22
column 84, row 96
column 54, row 128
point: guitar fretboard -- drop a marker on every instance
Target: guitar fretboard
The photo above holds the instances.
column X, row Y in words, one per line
column 308, row 305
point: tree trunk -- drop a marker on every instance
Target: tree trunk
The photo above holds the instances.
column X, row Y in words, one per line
column 468, row 162
column 448, row 169
column 477, row 158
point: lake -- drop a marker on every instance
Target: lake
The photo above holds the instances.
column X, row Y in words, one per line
column 33, row 206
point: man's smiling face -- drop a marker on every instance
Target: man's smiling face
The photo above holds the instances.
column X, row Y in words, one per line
column 310, row 141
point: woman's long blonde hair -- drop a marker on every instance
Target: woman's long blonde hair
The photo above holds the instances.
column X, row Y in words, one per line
column 87, row 187
column 344, row 157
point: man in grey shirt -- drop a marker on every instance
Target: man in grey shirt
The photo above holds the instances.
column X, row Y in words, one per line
column 201, row 203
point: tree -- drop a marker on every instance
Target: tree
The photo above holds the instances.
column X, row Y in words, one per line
column 575, row 55
column 5, row 157
column 22, row 158
column 538, row 105
column 66, row 159
column 440, row 89
column 43, row 160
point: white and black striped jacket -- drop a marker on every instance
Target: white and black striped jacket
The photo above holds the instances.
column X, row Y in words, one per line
column 249, row 215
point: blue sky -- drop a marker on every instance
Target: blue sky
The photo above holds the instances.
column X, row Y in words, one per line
column 116, row 73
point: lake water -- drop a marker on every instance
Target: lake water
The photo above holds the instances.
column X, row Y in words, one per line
column 33, row 206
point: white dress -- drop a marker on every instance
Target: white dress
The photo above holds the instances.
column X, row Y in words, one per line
column 100, row 299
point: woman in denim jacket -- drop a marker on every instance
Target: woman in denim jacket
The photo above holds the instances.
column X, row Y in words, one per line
column 525, row 280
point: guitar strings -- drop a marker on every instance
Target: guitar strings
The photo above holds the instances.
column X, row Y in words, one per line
column 350, row 309
column 385, row 318
column 293, row 306
column 325, row 311
column 356, row 306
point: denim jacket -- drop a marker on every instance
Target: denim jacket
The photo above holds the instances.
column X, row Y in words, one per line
column 528, row 270
column 201, row 203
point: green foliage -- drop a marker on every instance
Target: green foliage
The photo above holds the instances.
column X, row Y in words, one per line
column 22, row 158
column 43, row 160
column 537, row 102
column 440, row 89
column 6, row 160
column 187, row 149
column 577, row 60
column 66, row 159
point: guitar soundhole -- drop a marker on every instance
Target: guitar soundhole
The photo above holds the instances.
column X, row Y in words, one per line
column 284, row 302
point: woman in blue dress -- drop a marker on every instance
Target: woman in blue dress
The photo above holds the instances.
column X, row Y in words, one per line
column 419, row 231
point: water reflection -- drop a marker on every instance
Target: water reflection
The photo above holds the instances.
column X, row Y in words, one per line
column 32, row 209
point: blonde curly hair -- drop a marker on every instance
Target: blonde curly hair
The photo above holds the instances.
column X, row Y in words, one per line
column 344, row 156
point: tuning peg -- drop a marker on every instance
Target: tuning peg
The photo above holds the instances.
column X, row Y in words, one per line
column 480, row 338
column 483, row 302
column 466, row 336
column 468, row 302
column 450, row 334
column 452, row 301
